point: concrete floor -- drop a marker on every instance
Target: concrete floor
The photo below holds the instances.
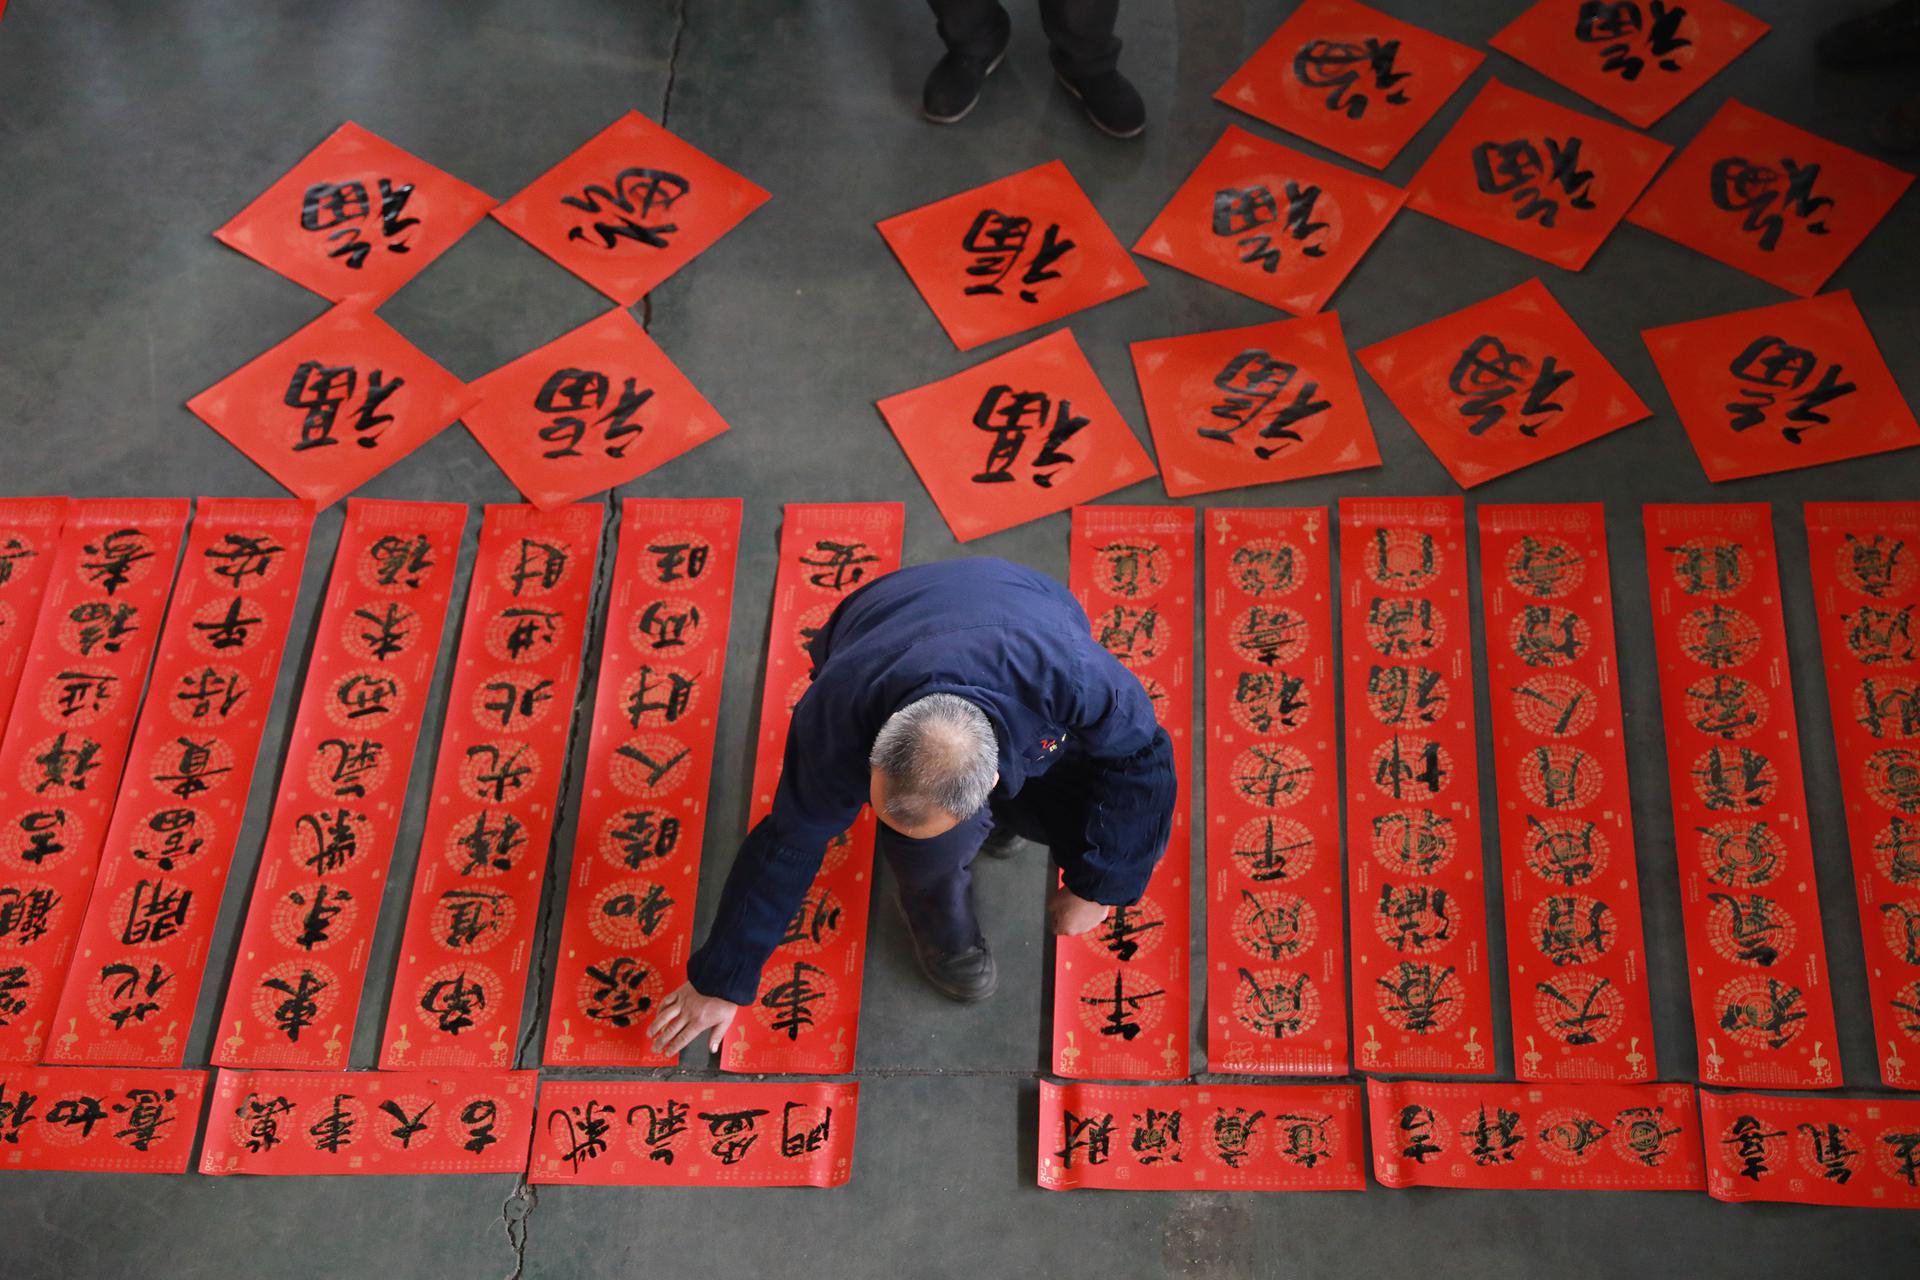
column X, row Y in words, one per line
column 129, row 130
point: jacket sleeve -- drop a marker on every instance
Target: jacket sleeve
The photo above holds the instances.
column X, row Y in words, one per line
column 1129, row 814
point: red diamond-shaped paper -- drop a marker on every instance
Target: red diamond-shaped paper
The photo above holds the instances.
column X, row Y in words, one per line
column 592, row 409
column 356, row 219
column 1502, row 384
column 1016, row 253
column 630, row 208
column 1534, row 176
column 1782, row 387
column 1020, row 436
column 1240, row 407
column 334, row 405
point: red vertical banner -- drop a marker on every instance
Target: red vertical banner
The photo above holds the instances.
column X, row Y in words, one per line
column 66, row 742
column 1416, row 894
column 1865, row 558
column 135, row 978
column 468, row 943
column 1276, row 969
column 1856, row 1152
column 295, row 990
column 636, row 853
column 1576, row 952
column 98, row 1119
column 29, row 532
column 1120, row 1004
column 1762, row 1009
column 806, row 1017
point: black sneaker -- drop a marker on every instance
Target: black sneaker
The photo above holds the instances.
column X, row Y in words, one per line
column 953, row 87
column 965, row 976
column 1001, row 842
column 1882, row 38
column 1112, row 103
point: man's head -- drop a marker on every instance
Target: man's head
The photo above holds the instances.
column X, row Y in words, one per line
column 934, row 762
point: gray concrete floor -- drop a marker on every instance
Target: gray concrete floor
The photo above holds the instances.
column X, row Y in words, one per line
column 129, row 130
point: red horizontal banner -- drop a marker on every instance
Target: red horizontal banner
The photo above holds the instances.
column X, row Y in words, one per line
column 1858, row 1152
column 29, row 533
column 98, row 1119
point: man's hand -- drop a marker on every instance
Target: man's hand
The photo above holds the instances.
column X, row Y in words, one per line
column 1069, row 914
column 686, row 1013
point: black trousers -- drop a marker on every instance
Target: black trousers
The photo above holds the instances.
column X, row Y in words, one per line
column 1080, row 31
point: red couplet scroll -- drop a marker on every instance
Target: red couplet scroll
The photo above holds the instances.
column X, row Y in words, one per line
column 464, row 956
column 1762, row 1009
column 29, row 531
column 1538, row 1137
column 66, row 742
column 1416, row 897
column 636, row 853
column 295, row 991
column 1866, row 572
column 806, row 1017
column 98, row 1119
column 135, row 978
column 324, row 1122
column 1120, row 1005
column 694, row 1133
column 1855, row 1152
column 1276, row 972
column 1576, row 954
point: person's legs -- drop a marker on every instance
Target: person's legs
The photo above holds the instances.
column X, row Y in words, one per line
column 1882, row 37
column 935, row 880
column 975, row 33
column 1085, row 55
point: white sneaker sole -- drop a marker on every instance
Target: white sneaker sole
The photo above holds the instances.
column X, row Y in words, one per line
column 968, row 109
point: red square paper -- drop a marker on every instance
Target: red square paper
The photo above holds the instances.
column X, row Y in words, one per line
column 590, row 410
column 1534, row 176
column 1638, row 59
column 1350, row 78
column 334, row 405
column 1003, row 258
column 1774, row 201
column 1502, row 384
column 356, row 219
column 1269, row 222
column 630, row 208
column 1782, row 387
column 1020, row 436
column 1240, row 407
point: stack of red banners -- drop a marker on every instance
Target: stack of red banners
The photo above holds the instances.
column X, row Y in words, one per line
column 1861, row 1152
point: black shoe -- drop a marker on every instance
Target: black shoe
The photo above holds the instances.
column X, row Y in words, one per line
column 953, row 87
column 1112, row 103
column 1887, row 36
column 1001, row 842
column 966, row 976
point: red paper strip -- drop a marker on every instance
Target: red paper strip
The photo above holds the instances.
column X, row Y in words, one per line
column 636, row 858
column 1576, row 953
column 1776, row 388
column 1502, row 384
column 1276, row 974
column 99, row 1119
column 1638, row 60
column 295, row 991
column 680, row 1133
column 1769, row 199
column 1762, row 1007
column 462, row 977
column 807, row 1015
column 1550, row 1137
column 1120, row 1007
column 1350, row 78
column 1865, row 558
column 327, row 1122
column 1188, row 1137
column 66, row 742
column 1856, row 1152
column 1008, row 256
column 1416, row 889
column 29, row 532
column 135, row 979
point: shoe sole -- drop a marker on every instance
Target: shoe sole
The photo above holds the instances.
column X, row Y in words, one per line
column 1097, row 122
column 926, row 973
column 967, row 110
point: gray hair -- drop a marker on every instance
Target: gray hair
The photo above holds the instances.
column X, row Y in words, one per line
column 939, row 756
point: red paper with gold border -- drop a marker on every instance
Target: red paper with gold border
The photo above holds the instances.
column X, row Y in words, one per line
column 301, row 1124
column 1865, row 558
column 1202, row 1137
column 807, row 1015
column 1276, row 972
column 636, row 859
column 98, row 1119
column 1350, row 78
column 29, row 532
column 465, row 953
column 1762, row 1005
column 1576, row 951
column 1120, row 1002
column 1415, row 880
column 66, row 742
column 1853, row 1152
column 694, row 1133
column 1535, row 1137
column 134, row 980
column 294, row 994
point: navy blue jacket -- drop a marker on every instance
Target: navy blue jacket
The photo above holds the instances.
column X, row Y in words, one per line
column 1016, row 644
